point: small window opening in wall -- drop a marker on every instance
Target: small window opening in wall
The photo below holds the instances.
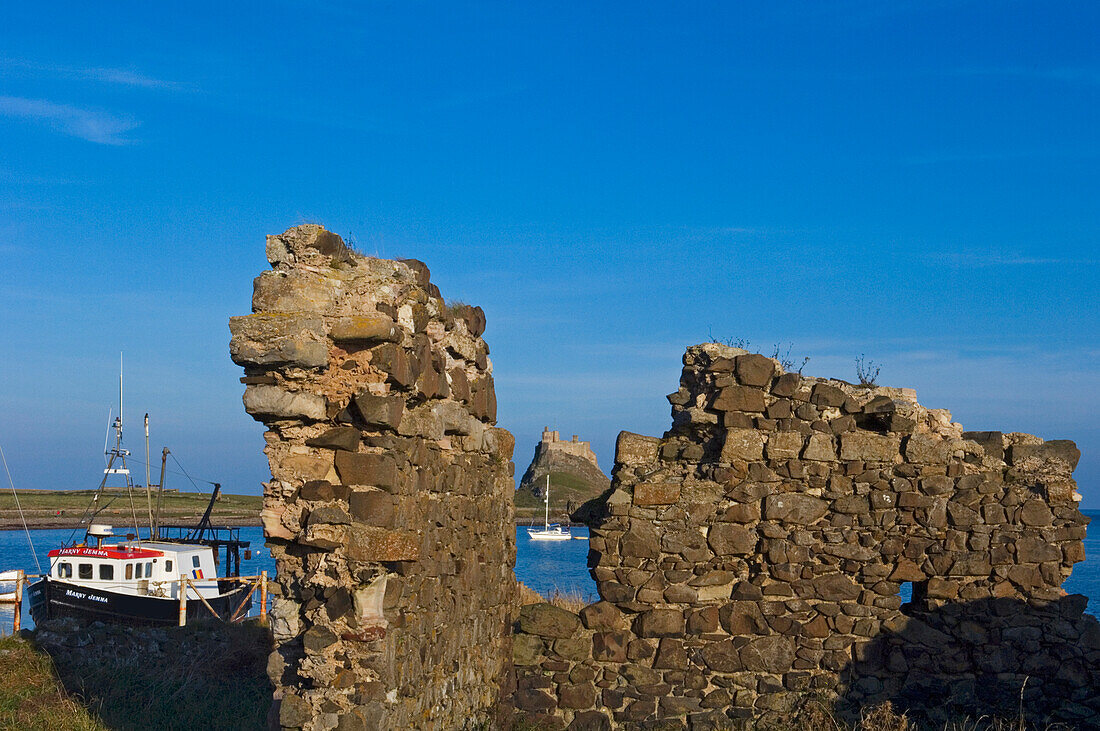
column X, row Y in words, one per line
column 914, row 595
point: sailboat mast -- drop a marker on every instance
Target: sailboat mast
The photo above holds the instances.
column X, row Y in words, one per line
column 546, row 520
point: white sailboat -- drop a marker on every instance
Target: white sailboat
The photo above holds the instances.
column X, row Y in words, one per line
column 549, row 532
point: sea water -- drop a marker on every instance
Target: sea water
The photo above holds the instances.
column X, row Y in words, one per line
column 548, row 567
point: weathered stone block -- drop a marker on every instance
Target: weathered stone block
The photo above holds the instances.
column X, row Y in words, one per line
column 671, row 655
column 378, row 470
column 610, row 646
column 274, row 402
column 1033, row 549
column 786, row 385
column 927, row 449
column 323, row 535
column 732, row 539
column 991, row 441
column 1036, row 513
column 368, row 543
column 546, row 620
column 340, row 437
column 743, row 444
column 380, row 411
column 294, row 291
column 820, row 448
column 869, row 447
column 754, row 370
column 373, row 507
column 278, row 340
column 825, row 395
column 294, row 711
column 364, row 329
column 392, row 360
column 526, row 649
column 636, row 450
column 722, row 657
column 573, row 648
column 769, row 654
column 835, row 587
column 602, row 616
column 660, row 623
column 739, row 398
column 784, row 445
column 794, row 508
column 656, row 493
column 582, row 695
column 640, row 541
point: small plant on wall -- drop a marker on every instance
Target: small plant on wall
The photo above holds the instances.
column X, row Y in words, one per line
column 867, row 370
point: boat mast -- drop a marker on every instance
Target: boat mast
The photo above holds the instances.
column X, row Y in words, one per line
column 160, row 492
column 546, row 520
column 124, row 453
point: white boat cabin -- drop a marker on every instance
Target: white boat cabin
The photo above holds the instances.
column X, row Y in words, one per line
column 141, row 568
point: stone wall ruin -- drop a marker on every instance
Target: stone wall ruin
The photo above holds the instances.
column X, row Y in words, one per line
column 753, row 558
column 749, row 560
column 389, row 510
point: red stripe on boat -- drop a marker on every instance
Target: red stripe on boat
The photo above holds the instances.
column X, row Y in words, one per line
column 113, row 552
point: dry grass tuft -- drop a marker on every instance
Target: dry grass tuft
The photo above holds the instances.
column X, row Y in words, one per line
column 527, row 595
column 571, row 601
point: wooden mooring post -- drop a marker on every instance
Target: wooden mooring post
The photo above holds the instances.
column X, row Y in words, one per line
column 183, row 601
column 18, row 613
column 263, row 597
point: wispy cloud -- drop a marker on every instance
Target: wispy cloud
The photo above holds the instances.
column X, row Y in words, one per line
column 1006, row 259
column 99, row 74
column 104, row 128
column 1067, row 74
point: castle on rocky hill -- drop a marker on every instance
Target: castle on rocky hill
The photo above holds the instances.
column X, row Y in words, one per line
column 564, row 459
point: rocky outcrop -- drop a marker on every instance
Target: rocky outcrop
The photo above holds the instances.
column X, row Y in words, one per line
column 389, row 510
column 575, row 474
column 754, row 556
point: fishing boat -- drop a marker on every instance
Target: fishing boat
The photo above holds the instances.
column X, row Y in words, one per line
column 168, row 578
column 549, row 531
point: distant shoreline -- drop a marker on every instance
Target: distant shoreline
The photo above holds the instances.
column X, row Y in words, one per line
column 64, row 509
column 234, row 522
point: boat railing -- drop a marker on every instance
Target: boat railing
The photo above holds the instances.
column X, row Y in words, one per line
column 188, row 591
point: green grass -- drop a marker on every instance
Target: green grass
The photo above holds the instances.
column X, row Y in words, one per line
column 31, row 696
column 40, row 507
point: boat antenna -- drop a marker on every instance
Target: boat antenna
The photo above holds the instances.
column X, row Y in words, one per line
column 17, row 505
column 148, row 489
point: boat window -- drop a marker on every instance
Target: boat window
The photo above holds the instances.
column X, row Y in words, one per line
column 195, row 561
column 168, row 567
column 65, row 570
column 129, row 571
column 148, row 569
column 84, row 570
column 106, row 571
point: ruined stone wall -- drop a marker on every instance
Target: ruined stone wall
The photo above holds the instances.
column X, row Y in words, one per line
column 389, row 510
column 753, row 558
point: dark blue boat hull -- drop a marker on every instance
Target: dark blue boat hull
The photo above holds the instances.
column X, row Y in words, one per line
column 52, row 599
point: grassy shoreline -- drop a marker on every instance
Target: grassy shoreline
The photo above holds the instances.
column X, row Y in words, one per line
column 45, row 509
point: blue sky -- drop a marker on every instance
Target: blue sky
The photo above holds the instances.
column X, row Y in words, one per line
column 913, row 181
